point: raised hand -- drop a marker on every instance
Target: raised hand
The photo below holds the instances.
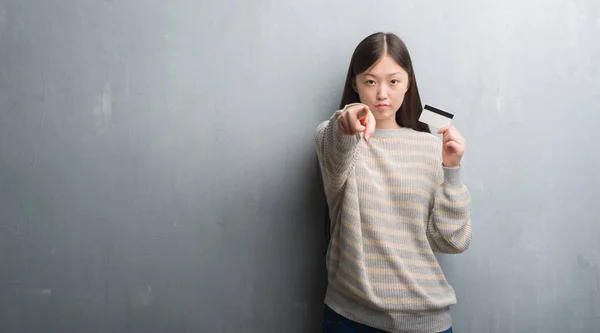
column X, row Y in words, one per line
column 357, row 118
column 453, row 146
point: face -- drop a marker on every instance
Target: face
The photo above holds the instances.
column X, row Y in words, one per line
column 382, row 88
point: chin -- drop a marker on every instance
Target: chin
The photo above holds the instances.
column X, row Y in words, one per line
column 384, row 115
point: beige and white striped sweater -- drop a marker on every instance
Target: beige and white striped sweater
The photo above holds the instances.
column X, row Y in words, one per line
column 392, row 205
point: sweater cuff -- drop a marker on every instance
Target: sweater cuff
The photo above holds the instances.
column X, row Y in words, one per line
column 452, row 177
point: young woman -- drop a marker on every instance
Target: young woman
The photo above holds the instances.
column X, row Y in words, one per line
column 395, row 197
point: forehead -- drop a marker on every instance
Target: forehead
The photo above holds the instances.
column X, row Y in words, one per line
column 384, row 67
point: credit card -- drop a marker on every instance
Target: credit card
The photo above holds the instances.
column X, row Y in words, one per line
column 435, row 117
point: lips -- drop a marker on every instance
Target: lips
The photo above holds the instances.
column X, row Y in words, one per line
column 382, row 106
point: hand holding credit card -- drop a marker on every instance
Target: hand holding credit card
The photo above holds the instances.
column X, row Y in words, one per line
column 453, row 142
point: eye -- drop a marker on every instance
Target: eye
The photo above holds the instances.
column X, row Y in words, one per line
column 394, row 81
column 370, row 82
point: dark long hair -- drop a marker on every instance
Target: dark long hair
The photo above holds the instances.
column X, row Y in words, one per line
column 367, row 53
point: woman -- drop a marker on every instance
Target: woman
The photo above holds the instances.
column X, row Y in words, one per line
column 395, row 197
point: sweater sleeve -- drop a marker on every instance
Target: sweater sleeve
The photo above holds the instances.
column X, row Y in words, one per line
column 449, row 227
column 336, row 151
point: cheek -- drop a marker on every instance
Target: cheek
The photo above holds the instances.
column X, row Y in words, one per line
column 399, row 92
column 365, row 93
column 404, row 88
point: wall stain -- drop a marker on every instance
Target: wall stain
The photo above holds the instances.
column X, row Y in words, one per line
column 103, row 109
column 582, row 262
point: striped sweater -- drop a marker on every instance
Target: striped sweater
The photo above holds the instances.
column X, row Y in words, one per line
column 392, row 205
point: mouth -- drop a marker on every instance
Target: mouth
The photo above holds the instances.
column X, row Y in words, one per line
column 382, row 106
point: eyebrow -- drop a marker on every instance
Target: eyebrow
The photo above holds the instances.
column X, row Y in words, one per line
column 392, row 74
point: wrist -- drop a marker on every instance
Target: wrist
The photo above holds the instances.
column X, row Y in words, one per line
column 451, row 166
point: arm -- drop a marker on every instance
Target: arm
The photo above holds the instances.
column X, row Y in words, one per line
column 449, row 226
column 336, row 151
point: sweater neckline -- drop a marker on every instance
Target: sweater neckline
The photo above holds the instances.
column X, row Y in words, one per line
column 391, row 132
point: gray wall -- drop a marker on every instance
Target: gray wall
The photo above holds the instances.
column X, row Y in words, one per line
column 157, row 171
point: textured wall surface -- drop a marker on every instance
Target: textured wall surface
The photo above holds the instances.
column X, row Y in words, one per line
column 157, row 171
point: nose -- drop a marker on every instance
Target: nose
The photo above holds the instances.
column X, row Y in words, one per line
column 382, row 92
